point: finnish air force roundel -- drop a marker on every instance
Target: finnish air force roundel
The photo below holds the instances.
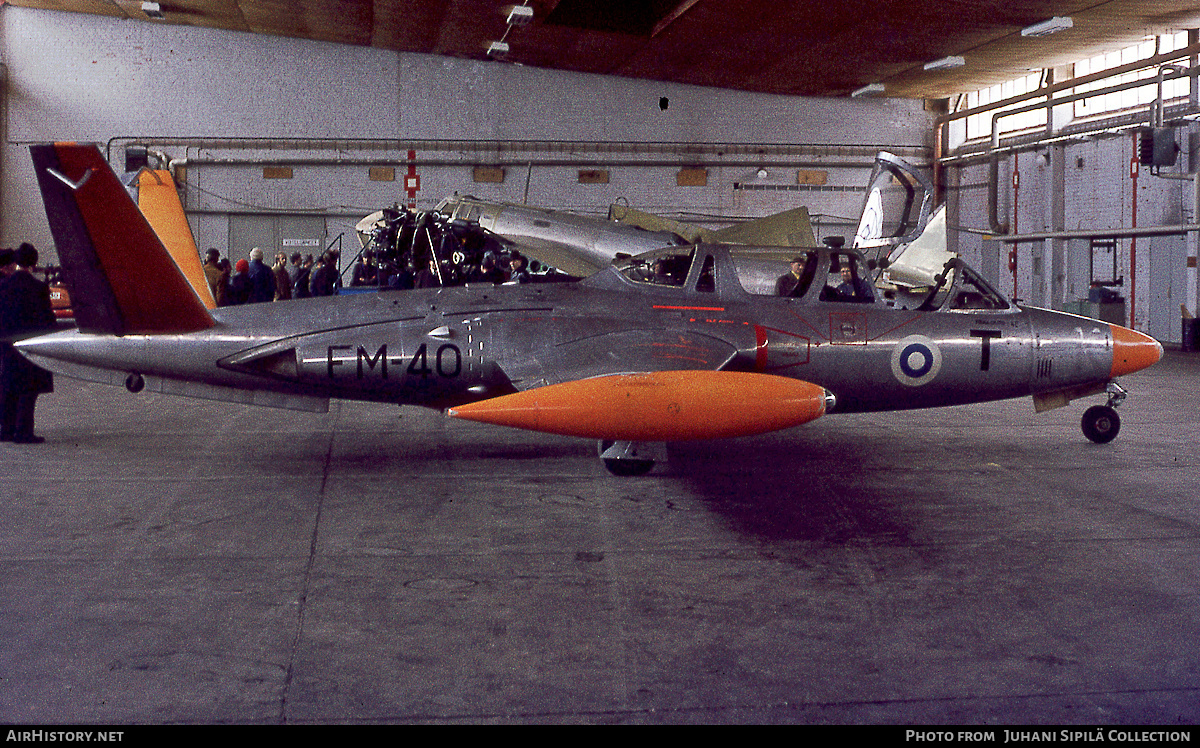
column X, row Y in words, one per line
column 916, row 360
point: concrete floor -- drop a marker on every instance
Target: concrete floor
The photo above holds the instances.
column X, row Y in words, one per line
column 171, row 560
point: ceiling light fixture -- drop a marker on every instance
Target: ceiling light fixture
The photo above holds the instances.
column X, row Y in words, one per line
column 871, row 89
column 1046, row 28
column 516, row 17
column 520, row 15
column 945, row 63
column 153, row 10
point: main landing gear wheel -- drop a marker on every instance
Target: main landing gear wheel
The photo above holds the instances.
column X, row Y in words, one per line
column 622, row 458
column 1101, row 424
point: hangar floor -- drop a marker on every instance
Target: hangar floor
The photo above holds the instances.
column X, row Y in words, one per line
column 170, row 560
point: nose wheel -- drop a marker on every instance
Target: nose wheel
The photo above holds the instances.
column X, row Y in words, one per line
column 1101, row 423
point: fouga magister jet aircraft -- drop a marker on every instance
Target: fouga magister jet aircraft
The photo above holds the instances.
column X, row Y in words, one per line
column 682, row 343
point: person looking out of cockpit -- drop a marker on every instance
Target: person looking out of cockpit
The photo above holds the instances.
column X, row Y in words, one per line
column 854, row 289
column 786, row 285
column 519, row 273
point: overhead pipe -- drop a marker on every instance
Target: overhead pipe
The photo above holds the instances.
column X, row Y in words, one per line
column 994, row 196
column 1115, row 88
column 521, row 162
column 994, row 146
column 1156, row 109
column 1133, row 175
column 516, row 154
column 1122, row 233
column 507, row 149
column 995, row 151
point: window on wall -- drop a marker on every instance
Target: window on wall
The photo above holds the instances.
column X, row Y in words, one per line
column 980, row 125
column 1104, row 262
column 1131, row 98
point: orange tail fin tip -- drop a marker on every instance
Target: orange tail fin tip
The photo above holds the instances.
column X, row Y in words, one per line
column 158, row 200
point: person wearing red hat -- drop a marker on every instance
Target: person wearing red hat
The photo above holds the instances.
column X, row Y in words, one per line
column 239, row 284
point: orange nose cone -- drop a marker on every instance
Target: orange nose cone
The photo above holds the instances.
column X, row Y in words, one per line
column 1133, row 351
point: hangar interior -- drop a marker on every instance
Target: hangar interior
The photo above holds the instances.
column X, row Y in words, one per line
column 290, row 134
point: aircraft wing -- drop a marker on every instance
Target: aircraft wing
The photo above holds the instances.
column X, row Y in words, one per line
column 575, row 244
column 565, row 256
column 621, row 352
column 648, row 385
column 651, row 222
column 790, row 228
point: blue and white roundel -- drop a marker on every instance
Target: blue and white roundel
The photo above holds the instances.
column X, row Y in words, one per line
column 916, row 360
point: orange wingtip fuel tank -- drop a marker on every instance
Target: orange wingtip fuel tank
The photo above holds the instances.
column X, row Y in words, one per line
column 1133, row 351
column 657, row 406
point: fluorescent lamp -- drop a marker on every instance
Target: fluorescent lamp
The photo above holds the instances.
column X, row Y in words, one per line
column 945, row 63
column 871, row 89
column 153, row 10
column 1046, row 28
column 497, row 49
column 520, row 15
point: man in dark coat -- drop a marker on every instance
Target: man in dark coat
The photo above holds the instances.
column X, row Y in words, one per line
column 787, row 283
column 239, row 285
column 283, row 281
column 324, row 276
column 300, row 289
column 24, row 310
column 262, row 280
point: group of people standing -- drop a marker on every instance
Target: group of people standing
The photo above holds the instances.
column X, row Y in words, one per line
column 251, row 281
column 493, row 268
column 24, row 310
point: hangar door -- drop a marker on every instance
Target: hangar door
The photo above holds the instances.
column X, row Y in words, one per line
column 290, row 234
column 1167, row 288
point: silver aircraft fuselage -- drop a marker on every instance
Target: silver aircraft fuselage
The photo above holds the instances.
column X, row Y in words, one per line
column 445, row 347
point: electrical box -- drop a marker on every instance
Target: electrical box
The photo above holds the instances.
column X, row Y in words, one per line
column 1157, row 146
column 136, row 158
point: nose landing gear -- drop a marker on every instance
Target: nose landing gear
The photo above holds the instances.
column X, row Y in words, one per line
column 1101, row 423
